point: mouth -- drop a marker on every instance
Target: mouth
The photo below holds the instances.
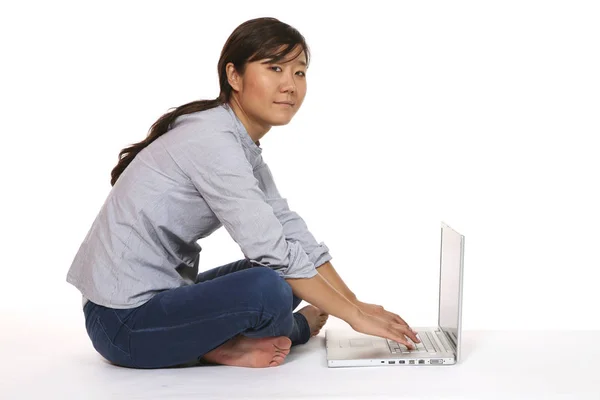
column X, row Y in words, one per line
column 288, row 103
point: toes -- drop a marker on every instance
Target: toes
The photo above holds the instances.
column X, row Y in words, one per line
column 277, row 360
column 283, row 343
column 282, row 352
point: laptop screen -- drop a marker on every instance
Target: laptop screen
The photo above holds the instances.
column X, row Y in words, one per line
column 451, row 260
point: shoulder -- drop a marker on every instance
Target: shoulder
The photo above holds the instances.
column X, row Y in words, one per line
column 208, row 127
column 211, row 119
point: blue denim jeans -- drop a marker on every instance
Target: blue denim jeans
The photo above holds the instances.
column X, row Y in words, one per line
column 178, row 326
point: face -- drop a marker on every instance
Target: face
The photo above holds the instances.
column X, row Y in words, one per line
column 265, row 87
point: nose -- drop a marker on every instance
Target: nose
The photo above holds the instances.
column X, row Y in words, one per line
column 288, row 84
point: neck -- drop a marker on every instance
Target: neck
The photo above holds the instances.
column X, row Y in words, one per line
column 255, row 130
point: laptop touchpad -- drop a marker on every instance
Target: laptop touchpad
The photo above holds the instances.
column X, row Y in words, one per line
column 361, row 343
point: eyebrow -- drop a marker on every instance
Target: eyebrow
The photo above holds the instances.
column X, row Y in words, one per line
column 272, row 62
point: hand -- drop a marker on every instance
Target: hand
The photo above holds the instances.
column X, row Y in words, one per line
column 372, row 325
column 380, row 312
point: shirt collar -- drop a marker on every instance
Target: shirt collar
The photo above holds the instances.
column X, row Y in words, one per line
column 240, row 129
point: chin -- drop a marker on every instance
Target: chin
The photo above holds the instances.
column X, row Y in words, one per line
column 280, row 121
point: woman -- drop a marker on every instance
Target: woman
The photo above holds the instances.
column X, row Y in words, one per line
column 201, row 168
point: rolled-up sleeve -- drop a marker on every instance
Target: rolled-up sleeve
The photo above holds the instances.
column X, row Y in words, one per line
column 221, row 173
column 294, row 227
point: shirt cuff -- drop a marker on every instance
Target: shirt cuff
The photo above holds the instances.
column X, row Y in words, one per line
column 307, row 274
column 320, row 255
column 295, row 265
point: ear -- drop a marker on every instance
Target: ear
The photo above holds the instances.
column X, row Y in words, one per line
column 233, row 77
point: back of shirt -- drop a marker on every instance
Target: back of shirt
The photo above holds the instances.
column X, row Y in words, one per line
column 204, row 173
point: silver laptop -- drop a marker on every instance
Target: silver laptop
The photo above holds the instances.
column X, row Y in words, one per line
column 440, row 345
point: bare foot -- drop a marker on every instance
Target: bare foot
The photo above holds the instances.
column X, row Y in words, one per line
column 242, row 351
column 315, row 317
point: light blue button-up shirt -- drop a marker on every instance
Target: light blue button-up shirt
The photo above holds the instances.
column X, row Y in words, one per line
column 204, row 173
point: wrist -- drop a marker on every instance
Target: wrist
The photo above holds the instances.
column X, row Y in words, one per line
column 357, row 316
column 355, row 301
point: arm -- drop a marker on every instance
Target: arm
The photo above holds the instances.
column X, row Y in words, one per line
column 318, row 292
column 328, row 273
column 218, row 168
column 296, row 230
column 294, row 227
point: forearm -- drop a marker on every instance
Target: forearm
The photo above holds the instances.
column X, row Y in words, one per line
column 327, row 271
column 320, row 293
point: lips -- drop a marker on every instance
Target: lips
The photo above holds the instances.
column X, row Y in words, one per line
column 285, row 102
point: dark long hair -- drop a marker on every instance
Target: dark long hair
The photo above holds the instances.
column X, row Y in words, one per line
column 256, row 39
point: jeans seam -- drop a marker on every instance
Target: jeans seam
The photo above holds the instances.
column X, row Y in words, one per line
column 120, row 320
column 192, row 321
column 108, row 338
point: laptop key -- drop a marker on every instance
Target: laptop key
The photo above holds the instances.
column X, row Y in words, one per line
column 427, row 343
column 442, row 339
column 394, row 348
column 406, row 350
column 433, row 342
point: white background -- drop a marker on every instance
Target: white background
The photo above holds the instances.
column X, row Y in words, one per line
column 482, row 115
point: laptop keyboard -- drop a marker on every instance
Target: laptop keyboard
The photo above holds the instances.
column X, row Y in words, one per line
column 427, row 345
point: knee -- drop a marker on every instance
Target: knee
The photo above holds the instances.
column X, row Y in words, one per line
column 274, row 290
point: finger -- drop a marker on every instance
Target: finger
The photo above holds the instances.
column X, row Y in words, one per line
column 410, row 333
column 406, row 342
column 413, row 335
column 402, row 322
column 397, row 319
column 400, row 336
column 405, row 338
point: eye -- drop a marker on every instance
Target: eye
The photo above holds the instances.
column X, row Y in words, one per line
column 302, row 72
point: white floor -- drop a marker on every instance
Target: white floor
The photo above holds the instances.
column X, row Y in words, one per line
column 43, row 358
